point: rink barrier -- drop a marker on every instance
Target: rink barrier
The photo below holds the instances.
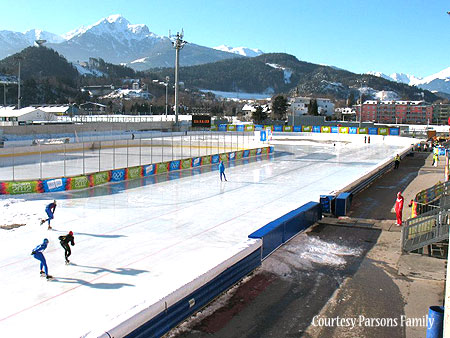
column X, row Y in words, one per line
column 159, row 318
column 344, row 197
column 281, row 230
column 123, row 174
column 385, row 131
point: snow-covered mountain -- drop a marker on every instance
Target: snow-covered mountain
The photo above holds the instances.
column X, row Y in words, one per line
column 244, row 51
column 115, row 40
column 13, row 42
column 439, row 82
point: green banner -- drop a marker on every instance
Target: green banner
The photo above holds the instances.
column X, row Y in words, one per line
column 325, row 129
column 249, row 127
column 383, row 131
column 186, row 163
column 224, row 157
column 162, row 167
column 231, row 127
column 239, row 154
column 206, row 160
column 28, row 187
column 307, row 129
column 363, row 131
column 100, row 178
column 79, row 182
column 288, row 128
column 214, row 127
column 134, row 172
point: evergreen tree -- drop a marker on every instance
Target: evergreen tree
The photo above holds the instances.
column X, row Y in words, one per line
column 259, row 115
column 351, row 100
column 279, row 107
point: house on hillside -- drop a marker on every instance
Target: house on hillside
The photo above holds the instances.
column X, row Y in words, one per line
column 92, row 108
column 59, row 109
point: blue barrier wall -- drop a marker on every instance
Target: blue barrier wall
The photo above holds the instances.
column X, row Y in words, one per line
column 163, row 322
column 282, row 229
column 343, row 203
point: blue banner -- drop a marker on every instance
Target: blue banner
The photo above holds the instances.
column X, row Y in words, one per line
column 222, row 127
column 174, row 165
column 57, row 184
column 258, row 151
column 298, row 129
column 353, row 130
column 277, row 128
column 240, row 127
column 149, row 170
column 117, row 175
column 259, row 127
column 232, row 156
column 246, row 153
column 271, row 149
column 196, row 162
column 214, row 159
column 394, row 131
column 373, row 131
column 316, row 129
column 335, row 130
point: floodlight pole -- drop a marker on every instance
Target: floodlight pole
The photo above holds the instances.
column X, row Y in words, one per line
column 178, row 43
column 18, row 90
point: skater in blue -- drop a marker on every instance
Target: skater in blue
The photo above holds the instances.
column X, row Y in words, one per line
column 50, row 210
column 37, row 253
column 222, row 170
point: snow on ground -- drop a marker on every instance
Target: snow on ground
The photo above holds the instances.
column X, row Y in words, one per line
column 137, row 243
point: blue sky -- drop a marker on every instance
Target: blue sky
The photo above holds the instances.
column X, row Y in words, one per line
column 409, row 36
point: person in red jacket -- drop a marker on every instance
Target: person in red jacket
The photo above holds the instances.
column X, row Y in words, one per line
column 399, row 208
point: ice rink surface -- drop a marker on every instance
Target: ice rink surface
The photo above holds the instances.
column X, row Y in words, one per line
column 138, row 241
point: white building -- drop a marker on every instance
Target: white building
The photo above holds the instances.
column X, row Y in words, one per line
column 299, row 106
column 11, row 116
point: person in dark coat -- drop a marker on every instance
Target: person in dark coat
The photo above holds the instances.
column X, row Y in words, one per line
column 222, row 170
column 65, row 240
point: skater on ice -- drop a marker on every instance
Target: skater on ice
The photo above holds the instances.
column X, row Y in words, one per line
column 65, row 240
column 50, row 210
column 37, row 253
column 222, row 170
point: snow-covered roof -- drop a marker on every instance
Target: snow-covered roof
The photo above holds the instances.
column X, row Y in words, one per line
column 11, row 112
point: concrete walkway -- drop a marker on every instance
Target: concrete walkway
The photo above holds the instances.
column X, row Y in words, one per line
column 350, row 268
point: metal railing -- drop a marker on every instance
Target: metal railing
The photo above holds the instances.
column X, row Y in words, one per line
column 428, row 228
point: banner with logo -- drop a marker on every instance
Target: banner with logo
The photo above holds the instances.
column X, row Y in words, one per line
column 343, row 130
column 316, row 129
column 277, row 128
column 232, row 156
column 196, row 162
column 373, row 131
column 249, row 127
column 231, row 127
column 162, row 167
column 133, row 172
column 353, row 130
column 175, row 165
column 246, row 153
column 240, row 127
column 363, row 131
column 148, row 170
column 77, row 182
column 214, row 127
column 117, row 175
column 287, row 128
column 99, row 178
column 325, row 129
column 224, row 157
column 383, row 131
column 394, row 131
column 206, row 160
column 222, row 127
column 23, row 187
column 239, row 154
column 334, row 130
column 56, row 184
column 215, row 159
column 306, row 129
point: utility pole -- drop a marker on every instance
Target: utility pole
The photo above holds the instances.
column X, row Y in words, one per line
column 360, row 102
column 18, row 84
column 177, row 43
column 167, row 86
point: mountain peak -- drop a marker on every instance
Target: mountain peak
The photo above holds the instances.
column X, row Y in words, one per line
column 244, row 51
column 116, row 18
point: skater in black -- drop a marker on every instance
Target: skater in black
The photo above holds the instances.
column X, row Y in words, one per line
column 65, row 240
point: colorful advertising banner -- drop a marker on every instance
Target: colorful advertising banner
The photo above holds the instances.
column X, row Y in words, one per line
column 196, row 162
column 99, row 178
column 343, row 130
column 363, row 130
column 174, row 165
column 222, row 127
column 25, row 187
column 373, row 131
column 259, row 127
column 298, row 129
column 325, row 129
column 277, row 128
column 316, row 129
column 214, row 127
column 57, row 184
column 78, row 182
column 231, row 127
column 394, row 131
column 258, row 151
column 215, row 159
column 117, row 175
column 306, row 129
column 271, row 149
column 232, row 156
column 383, row 131
column 162, row 167
column 268, row 127
column 246, row 153
column 334, row 130
column 148, row 170
column 224, row 157
column 239, row 154
column 240, row 127
column 288, row 128
column 249, row 127
column 353, row 130
column 206, row 160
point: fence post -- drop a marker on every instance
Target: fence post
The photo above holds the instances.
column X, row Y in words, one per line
column 40, row 162
column 14, row 162
column 127, row 153
column 140, row 151
column 114, row 154
column 190, row 146
column 83, row 160
column 171, row 135
column 65, row 160
column 151, row 150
